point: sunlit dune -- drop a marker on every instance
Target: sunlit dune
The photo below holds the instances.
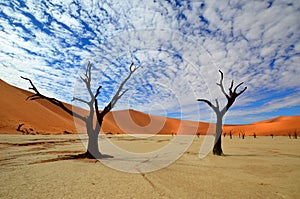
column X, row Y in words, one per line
column 38, row 115
column 282, row 125
column 42, row 117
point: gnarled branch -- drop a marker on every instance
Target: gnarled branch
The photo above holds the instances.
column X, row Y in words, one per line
column 237, row 87
column 54, row 101
column 209, row 104
column 217, row 104
column 233, row 94
column 118, row 94
column 221, row 84
column 242, row 91
column 113, row 101
column 87, row 80
column 230, row 88
column 80, row 100
column 98, row 91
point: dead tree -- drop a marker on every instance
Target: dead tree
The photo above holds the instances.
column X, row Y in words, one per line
column 231, row 97
column 243, row 134
column 19, row 127
column 93, row 129
column 230, row 134
column 254, row 135
column 295, row 134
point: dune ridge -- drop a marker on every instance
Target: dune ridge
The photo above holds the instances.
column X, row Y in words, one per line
column 45, row 118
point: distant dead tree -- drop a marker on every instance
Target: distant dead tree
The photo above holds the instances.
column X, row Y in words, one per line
column 224, row 134
column 231, row 97
column 295, row 134
column 243, row 134
column 254, row 135
column 93, row 129
column 19, row 127
column 272, row 135
column 230, row 134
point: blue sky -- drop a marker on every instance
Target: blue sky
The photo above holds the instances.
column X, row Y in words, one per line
column 179, row 46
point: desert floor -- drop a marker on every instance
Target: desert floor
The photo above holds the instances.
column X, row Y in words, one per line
column 252, row 168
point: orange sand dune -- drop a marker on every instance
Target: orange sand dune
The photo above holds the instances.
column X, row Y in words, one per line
column 44, row 117
column 282, row 125
column 40, row 115
column 135, row 122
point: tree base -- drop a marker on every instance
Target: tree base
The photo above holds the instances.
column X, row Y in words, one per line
column 96, row 155
column 218, row 152
column 88, row 155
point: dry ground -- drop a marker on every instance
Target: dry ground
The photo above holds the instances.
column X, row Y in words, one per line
column 253, row 168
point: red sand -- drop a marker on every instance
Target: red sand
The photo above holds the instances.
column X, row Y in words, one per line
column 45, row 118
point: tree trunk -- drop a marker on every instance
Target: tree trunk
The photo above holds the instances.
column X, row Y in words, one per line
column 93, row 147
column 217, row 150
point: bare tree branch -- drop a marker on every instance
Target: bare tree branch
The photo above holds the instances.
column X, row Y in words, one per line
column 80, row 100
column 54, row 101
column 88, row 72
column 230, row 88
column 209, row 104
column 82, row 78
column 237, row 87
column 98, row 91
column 117, row 95
column 115, row 101
column 87, row 80
column 242, row 91
column 217, row 103
column 221, row 84
column 37, row 93
column 230, row 98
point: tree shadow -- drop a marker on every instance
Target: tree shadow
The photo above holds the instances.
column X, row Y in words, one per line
column 242, row 155
column 82, row 156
